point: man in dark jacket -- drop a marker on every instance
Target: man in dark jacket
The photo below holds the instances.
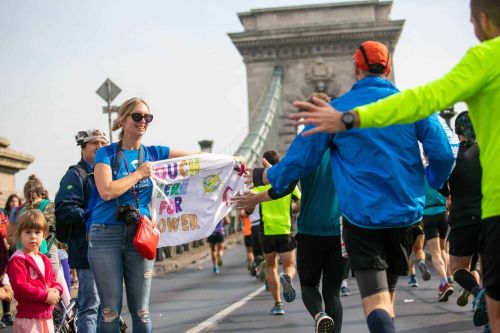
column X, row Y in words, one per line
column 71, row 202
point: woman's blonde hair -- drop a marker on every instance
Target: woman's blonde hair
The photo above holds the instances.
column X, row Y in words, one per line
column 31, row 219
column 34, row 187
column 124, row 110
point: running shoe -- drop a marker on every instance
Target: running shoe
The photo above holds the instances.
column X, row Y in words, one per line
column 288, row 290
column 323, row 324
column 253, row 269
column 480, row 310
column 277, row 309
column 426, row 275
column 219, row 261
column 413, row 282
column 249, row 266
column 463, row 299
column 487, row 328
column 344, row 291
column 444, row 292
column 216, row 270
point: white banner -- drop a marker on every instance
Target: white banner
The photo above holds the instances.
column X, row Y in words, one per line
column 192, row 194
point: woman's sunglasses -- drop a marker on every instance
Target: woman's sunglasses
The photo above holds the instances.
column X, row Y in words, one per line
column 137, row 117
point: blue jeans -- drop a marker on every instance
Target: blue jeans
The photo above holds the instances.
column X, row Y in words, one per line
column 88, row 302
column 114, row 259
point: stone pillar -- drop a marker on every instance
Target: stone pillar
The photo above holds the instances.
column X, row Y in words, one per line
column 11, row 162
column 314, row 44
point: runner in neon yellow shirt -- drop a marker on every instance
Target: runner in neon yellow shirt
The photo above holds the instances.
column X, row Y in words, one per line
column 474, row 80
column 278, row 240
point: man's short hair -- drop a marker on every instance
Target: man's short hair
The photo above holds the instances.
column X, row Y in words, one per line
column 272, row 156
column 490, row 7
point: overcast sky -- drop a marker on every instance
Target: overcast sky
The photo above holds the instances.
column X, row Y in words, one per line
column 174, row 54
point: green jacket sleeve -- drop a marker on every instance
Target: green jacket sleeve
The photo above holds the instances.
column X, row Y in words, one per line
column 463, row 81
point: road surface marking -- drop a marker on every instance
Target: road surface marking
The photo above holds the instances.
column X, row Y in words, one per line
column 212, row 321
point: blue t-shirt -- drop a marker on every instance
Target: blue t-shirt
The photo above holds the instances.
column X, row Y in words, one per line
column 104, row 211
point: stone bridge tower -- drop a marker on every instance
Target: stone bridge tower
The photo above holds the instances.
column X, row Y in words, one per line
column 313, row 45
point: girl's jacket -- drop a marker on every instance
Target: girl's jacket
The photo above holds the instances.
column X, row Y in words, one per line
column 31, row 286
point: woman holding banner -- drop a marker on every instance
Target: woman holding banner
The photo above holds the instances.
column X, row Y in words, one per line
column 122, row 172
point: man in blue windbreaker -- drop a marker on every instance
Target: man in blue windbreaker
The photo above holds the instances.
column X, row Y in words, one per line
column 379, row 179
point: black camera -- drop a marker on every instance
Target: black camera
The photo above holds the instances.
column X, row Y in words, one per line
column 127, row 213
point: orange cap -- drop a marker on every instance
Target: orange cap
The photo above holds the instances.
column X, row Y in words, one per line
column 373, row 57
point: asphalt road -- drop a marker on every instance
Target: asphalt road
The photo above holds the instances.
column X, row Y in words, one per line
column 181, row 301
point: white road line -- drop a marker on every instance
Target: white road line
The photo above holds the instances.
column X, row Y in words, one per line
column 212, row 321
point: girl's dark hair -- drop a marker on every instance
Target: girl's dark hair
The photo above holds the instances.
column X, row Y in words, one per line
column 9, row 200
column 32, row 219
column 34, row 187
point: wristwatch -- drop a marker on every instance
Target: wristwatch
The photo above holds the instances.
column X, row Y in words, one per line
column 348, row 119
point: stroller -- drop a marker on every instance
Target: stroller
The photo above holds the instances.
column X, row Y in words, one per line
column 65, row 318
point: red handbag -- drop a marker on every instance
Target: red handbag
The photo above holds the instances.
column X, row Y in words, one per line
column 146, row 237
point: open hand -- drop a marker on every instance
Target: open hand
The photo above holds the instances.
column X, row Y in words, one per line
column 318, row 113
column 248, row 200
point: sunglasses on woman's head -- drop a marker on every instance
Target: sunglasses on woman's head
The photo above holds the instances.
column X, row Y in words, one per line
column 137, row 117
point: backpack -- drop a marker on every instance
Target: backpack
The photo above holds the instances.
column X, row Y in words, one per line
column 63, row 230
column 95, row 196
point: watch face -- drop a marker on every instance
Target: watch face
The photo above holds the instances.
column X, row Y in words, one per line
column 348, row 118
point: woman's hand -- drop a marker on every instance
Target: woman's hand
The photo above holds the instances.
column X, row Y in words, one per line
column 145, row 170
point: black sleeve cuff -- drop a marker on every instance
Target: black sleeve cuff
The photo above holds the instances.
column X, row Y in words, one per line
column 273, row 195
column 257, row 177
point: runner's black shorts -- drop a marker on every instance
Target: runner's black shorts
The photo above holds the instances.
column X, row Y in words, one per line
column 435, row 226
column 248, row 241
column 215, row 238
column 464, row 241
column 378, row 249
column 489, row 248
column 278, row 243
column 318, row 255
column 257, row 240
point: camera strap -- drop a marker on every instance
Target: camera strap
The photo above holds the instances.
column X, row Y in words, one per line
column 119, row 153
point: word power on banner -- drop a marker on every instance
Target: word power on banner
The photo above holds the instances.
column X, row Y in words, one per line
column 192, row 194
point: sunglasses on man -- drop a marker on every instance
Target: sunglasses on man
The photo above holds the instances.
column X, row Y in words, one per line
column 137, row 117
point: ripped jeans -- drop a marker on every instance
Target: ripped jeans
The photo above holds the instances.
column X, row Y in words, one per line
column 114, row 259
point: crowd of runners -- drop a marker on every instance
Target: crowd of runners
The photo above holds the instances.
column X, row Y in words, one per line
column 370, row 181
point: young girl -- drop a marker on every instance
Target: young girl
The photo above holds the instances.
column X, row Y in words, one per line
column 32, row 277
